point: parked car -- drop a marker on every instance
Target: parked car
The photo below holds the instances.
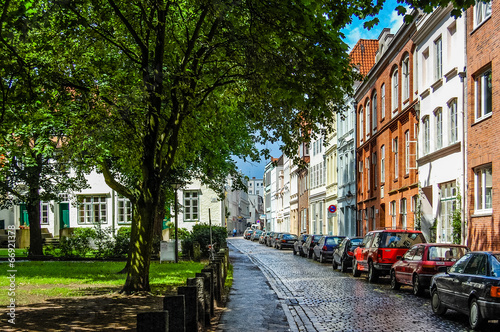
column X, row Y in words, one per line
column 421, row 262
column 248, row 233
column 323, row 251
column 471, row 287
column 286, row 240
column 343, row 254
column 256, row 234
column 275, row 239
column 308, row 246
column 270, row 239
column 262, row 238
column 297, row 246
column 379, row 250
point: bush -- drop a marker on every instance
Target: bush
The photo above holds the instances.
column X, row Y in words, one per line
column 122, row 241
column 201, row 234
column 78, row 245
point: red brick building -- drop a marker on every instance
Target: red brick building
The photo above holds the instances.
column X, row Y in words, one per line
column 387, row 181
column 483, row 140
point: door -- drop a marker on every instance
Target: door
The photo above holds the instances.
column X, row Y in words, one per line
column 24, row 216
column 64, row 215
column 414, row 264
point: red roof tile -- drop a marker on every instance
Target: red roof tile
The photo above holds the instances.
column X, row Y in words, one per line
column 363, row 54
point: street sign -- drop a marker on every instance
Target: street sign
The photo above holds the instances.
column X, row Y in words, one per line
column 332, row 208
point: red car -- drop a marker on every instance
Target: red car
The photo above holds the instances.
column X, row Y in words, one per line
column 421, row 262
column 379, row 250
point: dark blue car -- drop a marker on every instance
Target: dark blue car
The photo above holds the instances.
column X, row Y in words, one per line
column 323, row 251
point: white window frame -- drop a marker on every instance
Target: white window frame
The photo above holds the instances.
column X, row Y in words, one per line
column 448, row 203
column 92, row 207
column 407, row 152
column 367, row 119
column 382, row 164
column 483, row 190
column 44, row 213
column 393, row 214
column 453, row 129
column 483, row 89
column 361, row 125
column 193, row 198
column 482, row 11
column 395, row 90
column 395, row 151
column 124, row 210
column 426, row 135
column 406, row 78
column 438, row 58
column 438, row 116
column 403, row 212
column 382, row 101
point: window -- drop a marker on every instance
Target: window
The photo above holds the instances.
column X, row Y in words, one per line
column 425, row 66
column 406, row 78
column 426, row 135
column 382, row 101
column 407, row 152
column 44, row 213
column 453, row 134
column 375, row 173
column 438, row 60
column 374, row 112
column 482, row 11
column 191, row 206
column 382, row 164
column 439, row 128
column 395, row 151
column 367, row 165
column 92, row 209
column 361, row 125
column 395, row 101
column 402, row 211
column 483, row 94
column 124, row 210
column 448, row 202
column 368, row 111
column 393, row 214
column 483, row 184
column 452, row 35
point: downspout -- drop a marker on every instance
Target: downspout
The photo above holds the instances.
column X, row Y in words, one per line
column 355, row 140
column 463, row 76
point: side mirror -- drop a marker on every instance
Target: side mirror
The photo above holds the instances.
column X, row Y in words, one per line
column 399, row 258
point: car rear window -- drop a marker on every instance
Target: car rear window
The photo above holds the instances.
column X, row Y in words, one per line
column 400, row 239
column 495, row 265
column 333, row 241
column 289, row 236
column 447, row 254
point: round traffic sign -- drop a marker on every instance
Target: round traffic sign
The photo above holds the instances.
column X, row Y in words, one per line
column 332, row 208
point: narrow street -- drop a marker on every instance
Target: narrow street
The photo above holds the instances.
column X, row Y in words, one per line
column 316, row 298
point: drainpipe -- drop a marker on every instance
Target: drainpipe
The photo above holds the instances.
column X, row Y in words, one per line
column 463, row 76
column 355, row 168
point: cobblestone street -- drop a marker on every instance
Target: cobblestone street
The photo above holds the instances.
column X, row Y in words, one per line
column 316, row 298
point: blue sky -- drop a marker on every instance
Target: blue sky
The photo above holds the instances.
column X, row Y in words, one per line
column 388, row 17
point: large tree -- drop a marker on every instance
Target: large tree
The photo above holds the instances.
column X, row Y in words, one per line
column 32, row 126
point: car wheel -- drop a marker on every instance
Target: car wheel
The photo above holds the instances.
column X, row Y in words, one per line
column 343, row 266
column 334, row 264
column 475, row 319
column 321, row 258
column 394, row 283
column 417, row 287
column 372, row 273
column 355, row 271
column 437, row 307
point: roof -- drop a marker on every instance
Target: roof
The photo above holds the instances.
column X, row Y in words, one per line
column 363, row 55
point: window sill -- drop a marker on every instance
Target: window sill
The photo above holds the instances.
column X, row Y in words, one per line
column 480, row 25
column 437, row 84
column 482, row 213
column 425, row 93
column 452, row 73
column 481, row 119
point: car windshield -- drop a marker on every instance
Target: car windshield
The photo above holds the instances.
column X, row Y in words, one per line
column 400, row 239
column 289, row 236
column 447, row 254
column 333, row 241
column 354, row 243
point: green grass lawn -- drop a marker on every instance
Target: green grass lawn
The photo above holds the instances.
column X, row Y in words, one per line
column 36, row 280
column 4, row 252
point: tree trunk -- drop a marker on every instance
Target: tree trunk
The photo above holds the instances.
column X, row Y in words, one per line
column 141, row 241
column 33, row 207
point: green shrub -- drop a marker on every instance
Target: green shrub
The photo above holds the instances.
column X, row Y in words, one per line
column 122, row 242
column 201, row 234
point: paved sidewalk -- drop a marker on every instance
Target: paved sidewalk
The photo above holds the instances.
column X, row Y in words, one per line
column 252, row 304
